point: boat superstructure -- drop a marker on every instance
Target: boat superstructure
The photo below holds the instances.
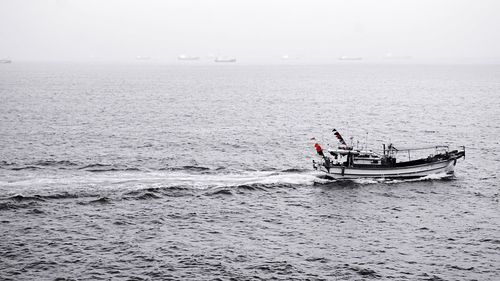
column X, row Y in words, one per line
column 346, row 162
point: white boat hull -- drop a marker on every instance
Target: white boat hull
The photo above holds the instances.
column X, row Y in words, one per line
column 339, row 172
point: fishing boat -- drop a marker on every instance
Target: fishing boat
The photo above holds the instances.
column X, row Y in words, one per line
column 347, row 162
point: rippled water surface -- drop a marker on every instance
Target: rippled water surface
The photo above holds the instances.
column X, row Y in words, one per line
column 156, row 172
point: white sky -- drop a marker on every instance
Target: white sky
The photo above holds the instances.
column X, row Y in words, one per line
column 253, row 30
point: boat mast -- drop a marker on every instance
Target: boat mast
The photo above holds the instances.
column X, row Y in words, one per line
column 366, row 141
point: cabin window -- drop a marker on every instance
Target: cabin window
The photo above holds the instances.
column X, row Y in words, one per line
column 374, row 161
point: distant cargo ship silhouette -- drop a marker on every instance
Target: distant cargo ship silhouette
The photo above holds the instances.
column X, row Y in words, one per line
column 186, row 57
column 142, row 58
column 350, row 58
column 224, row 59
column 390, row 56
column 5, row 61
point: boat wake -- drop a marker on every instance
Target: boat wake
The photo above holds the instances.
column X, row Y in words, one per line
column 84, row 182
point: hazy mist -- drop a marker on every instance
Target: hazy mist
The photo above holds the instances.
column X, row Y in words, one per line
column 252, row 31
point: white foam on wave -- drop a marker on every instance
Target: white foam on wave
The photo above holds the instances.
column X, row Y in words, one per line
column 367, row 181
column 289, row 178
column 438, row 176
column 85, row 181
column 111, row 180
column 237, row 179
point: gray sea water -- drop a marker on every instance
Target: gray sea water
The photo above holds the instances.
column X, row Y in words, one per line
column 157, row 172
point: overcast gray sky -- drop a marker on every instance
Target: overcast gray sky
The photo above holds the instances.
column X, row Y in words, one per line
column 256, row 30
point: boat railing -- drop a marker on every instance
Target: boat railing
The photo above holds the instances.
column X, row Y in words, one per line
column 437, row 147
column 413, row 152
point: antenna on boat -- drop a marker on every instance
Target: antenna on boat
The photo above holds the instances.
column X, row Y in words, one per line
column 366, row 141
